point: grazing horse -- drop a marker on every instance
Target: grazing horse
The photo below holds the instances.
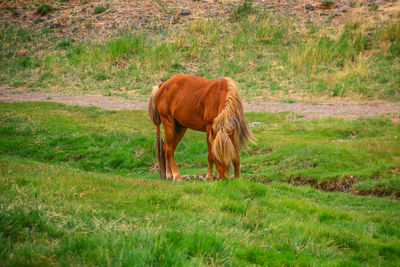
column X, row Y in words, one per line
column 211, row 106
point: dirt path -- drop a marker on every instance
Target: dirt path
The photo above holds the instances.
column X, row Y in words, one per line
column 349, row 110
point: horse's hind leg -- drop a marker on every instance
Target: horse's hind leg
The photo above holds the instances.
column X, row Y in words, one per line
column 168, row 172
column 173, row 135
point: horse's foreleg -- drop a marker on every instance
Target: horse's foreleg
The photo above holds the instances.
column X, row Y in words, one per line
column 210, row 175
column 236, row 167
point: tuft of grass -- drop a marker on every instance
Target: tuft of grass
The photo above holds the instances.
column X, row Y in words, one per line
column 324, row 50
column 99, row 9
column 327, row 2
column 126, row 46
column 101, row 76
column 289, row 101
column 373, row 6
column 243, row 10
column 44, row 9
column 65, row 44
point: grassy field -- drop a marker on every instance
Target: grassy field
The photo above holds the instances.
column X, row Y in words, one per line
column 271, row 55
column 363, row 152
column 79, row 186
column 76, row 189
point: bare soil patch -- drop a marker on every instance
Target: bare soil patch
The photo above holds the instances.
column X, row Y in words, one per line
column 343, row 184
column 347, row 110
column 76, row 19
column 378, row 191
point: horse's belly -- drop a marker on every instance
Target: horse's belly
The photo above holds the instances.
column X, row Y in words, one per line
column 191, row 123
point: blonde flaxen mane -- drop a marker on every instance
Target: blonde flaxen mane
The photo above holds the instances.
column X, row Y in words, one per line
column 230, row 121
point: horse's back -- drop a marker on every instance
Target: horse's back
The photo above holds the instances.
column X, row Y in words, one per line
column 183, row 82
column 193, row 101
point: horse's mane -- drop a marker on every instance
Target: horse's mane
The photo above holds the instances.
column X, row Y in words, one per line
column 230, row 118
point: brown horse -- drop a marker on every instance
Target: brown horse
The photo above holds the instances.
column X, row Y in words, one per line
column 211, row 106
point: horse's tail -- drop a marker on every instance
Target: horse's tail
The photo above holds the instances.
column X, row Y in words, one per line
column 155, row 118
column 153, row 112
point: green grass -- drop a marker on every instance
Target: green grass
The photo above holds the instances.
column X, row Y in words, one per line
column 75, row 189
column 318, row 152
column 54, row 215
column 269, row 55
column 44, row 9
column 327, row 2
column 373, row 7
column 99, row 9
column 243, row 10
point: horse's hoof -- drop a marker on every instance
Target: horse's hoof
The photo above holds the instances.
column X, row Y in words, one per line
column 179, row 178
column 209, row 178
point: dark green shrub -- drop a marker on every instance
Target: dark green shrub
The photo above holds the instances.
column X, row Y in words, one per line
column 327, row 2
column 373, row 6
column 99, row 9
column 101, row 76
column 24, row 63
column 44, row 9
column 65, row 44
